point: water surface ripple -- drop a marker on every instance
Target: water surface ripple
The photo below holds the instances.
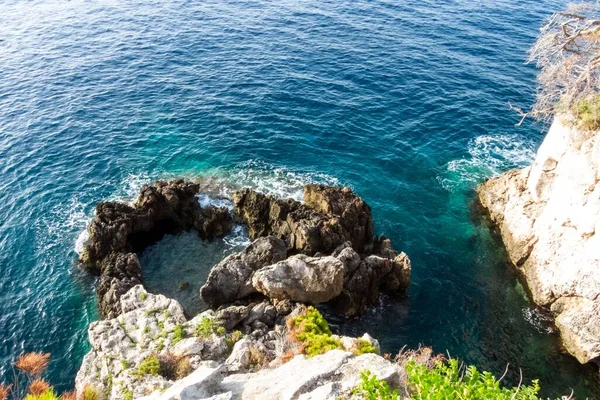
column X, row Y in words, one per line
column 404, row 101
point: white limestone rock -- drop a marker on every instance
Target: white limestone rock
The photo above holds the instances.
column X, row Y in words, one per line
column 549, row 218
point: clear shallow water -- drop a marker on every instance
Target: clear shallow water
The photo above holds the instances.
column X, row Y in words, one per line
column 406, row 102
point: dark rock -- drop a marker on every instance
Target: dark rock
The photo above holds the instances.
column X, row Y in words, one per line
column 363, row 282
column 119, row 229
column 161, row 208
column 231, row 279
column 354, row 214
column 331, row 217
column 231, row 316
column 120, row 272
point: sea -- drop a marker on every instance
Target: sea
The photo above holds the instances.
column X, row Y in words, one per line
column 406, row 102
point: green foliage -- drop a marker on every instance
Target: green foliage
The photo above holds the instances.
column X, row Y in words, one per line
column 178, row 334
column 221, row 331
column 587, row 113
column 364, row 346
column 127, row 394
column 124, row 364
column 447, row 381
column 47, row 395
column 371, row 388
column 149, row 366
column 205, row 328
column 146, row 330
column 312, row 331
column 143, row 296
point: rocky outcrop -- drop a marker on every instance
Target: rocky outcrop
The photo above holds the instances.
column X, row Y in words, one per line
column 301, row 278
column 329, row 217
column 161, row 208
column 195, row 359
column 119, row 230
column 548, row 216
column 119, row 273
column 231, row 279
column 365, row 279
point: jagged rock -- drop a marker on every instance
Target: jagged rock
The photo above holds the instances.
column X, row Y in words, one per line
column 201, row 384
column 333, row 373
column 365, row 279
column 548, row 216
column 120, row 272
column 118, row 229
column 354, row 214
column 147, row 327
column 301, row 278
column 240, row 357
column 231, row 279
column 231, row 316
column 303, row 228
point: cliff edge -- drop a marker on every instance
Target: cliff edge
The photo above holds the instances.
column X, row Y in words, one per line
column 548, row 217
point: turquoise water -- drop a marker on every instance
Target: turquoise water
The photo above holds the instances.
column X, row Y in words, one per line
column 406, row 102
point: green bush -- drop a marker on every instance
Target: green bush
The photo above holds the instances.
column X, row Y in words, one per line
column 178, row 334
column 364, row 346
column 127, row 394
column 149, row 366
column 447, row 381
column 371, row 388
column 587, row 113
column 313, row 333
column 47, row 395
column 205, row 328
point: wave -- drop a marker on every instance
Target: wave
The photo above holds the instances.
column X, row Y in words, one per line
column 489, row 155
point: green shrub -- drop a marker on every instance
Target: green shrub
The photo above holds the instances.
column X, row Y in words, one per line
column 124, row 364
column 91, row 393
column 313, row 333
column 221, row 331
column 143, row 296
column 371, row 388
column 587, row 113
column 127, row 394
column 178, row 334
column 205, row 328
column 364, row 346
column 47, row 395
column 447, row 381
column 149, row 366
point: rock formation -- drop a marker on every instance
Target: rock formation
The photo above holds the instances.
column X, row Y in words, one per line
column 154, row 327
column 329, row 217
column 119, row 230
column 347, row 267
column 231, row 279
column 548, row 217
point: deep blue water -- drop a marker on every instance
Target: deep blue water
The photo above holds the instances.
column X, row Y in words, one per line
column 405, row 101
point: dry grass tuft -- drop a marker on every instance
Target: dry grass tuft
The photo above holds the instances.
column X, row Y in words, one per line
column 4, row 391
column 90, row 393
column 72, row 395
column 33, row 364
column 422, row 355
column 38, row 386
column 287, row 356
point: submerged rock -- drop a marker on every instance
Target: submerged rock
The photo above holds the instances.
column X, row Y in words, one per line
column 548, row 216
column 231, row 279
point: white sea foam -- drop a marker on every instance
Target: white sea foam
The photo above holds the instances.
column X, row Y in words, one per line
column 238, row 237
column 542, row 323
column 207, row 199
column 271, row 179
column 489, row 155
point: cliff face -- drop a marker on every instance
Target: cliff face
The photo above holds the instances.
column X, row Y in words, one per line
column 548, row 217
